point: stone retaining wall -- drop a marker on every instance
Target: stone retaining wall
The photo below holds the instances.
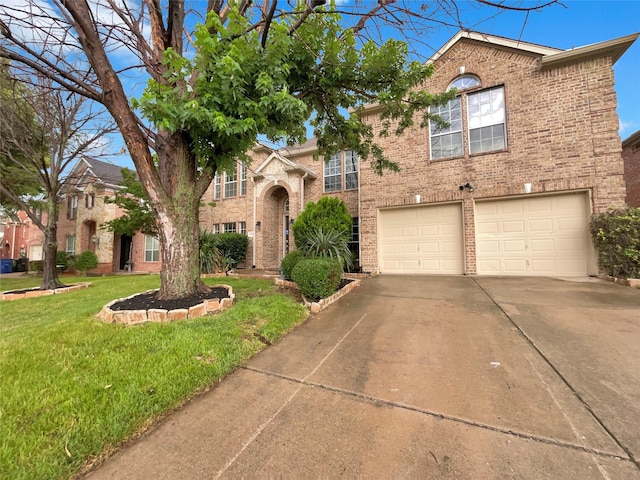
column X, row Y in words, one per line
column 42, row 293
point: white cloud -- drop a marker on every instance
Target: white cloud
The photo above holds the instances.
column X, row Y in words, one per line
column 627, row 128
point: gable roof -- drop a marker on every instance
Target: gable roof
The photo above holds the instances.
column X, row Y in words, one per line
column 289, row 166
column 549, row 57
column 104, row 172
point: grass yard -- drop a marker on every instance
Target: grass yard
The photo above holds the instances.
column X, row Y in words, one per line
column 73, row 388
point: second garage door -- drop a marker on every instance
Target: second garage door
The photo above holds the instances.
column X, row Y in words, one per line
column 422, row 240
column 546, row 235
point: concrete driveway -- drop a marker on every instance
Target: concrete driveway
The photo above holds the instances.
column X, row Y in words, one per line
column 424, row 377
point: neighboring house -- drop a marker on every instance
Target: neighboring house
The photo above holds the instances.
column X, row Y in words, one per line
column 531, row 152
column 21, row 238
column 631, row 157
column 83, row 211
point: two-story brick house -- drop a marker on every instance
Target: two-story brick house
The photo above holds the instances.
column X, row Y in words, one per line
column 531, row 152
column 83, row 213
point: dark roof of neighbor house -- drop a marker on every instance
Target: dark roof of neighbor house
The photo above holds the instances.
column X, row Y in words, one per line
column 105, row 172
column 631, row 139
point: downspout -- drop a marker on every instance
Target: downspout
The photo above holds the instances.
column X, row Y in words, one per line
column 255, row 229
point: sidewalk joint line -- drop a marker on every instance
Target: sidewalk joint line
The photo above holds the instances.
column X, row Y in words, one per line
column 269, row 420
column 442, row 416
column 586, row 405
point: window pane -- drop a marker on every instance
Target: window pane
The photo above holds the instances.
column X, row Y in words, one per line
column 229, row 227
column 332, row 173
column 216, row 187
column 242, row 227
column 445, row 146
column 230, row 184
column 486, row 121
column 243, row 179
column 351, row 170
column 151, row 249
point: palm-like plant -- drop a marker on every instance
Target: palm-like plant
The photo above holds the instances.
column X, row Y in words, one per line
column 328, row 243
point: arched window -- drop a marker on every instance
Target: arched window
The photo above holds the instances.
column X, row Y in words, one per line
column 464, row 82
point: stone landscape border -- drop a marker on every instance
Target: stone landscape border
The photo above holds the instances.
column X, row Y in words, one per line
column 323, row 303
column 629, row 282
column 7, row 296
column 135, row 317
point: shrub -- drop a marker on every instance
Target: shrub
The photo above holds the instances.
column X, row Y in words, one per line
column 211, row 258
column 86, row 261
column 289, row 261
column 322, row 243
column 35, row 266
column 330, row 213
column 233, row 246
column 317, row 277
column 616, row 237
column 64, row 260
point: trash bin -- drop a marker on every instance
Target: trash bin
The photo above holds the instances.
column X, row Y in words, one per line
column 6, row 265
column 21, row 264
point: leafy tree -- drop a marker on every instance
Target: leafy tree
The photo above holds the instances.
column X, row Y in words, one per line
column 42, row 131
column 330, row 213
column 134, row 201
column 248, row 69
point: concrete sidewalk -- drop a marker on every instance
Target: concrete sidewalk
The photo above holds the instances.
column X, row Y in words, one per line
column 424, row 377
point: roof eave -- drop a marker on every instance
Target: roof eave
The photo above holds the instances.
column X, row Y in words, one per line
column 614, row 48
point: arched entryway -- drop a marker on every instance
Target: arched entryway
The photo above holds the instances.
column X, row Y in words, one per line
column 89, row 238
column 276, row 234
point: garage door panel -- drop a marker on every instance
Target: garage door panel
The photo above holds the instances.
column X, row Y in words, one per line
column 430, row 240
column 554, row 240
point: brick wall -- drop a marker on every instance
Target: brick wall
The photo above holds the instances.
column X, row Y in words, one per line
column 631, row 157
column 562, row 134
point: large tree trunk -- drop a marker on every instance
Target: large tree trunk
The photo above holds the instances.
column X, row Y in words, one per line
column 50, row 279
column 179, row 221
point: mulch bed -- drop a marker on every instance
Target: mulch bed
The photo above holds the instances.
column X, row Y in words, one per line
column 147, row 301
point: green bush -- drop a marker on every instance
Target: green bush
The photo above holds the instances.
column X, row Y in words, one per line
column 233, row 246
column 64, row 260
column 211, row 258
column 289, row 261
column 317, row 277
column 35, row 266
column 330, row 213
column 616, row 237
column 86, row 261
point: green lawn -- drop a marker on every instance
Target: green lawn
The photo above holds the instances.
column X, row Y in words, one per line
column 73, row 388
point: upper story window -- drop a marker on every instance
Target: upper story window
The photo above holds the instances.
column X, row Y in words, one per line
column 89, row 200
column 217, row 188
column 230, row 184
column 478, row 116
column 243, row 179
column 333, row 172
column 72, row 207
column 486, row 121
column 464, row 82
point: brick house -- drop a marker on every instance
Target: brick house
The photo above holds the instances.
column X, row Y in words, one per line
column 83, row 212
column 531, row 152
column 631, row 157
column 21, row 238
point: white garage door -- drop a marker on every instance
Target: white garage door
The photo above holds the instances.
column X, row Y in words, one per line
column 422, row 240
column 546, row 235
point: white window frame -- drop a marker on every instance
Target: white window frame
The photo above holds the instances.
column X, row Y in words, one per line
column 70, row 245
column 332, row 178
column 230, row 184
column 350, row 170
column 486, row 116
column 151, row 249
column 242, row 227
column 448, row 112
column 229, row 227
column 243, row 179
column 217, row 187
column 216, row 228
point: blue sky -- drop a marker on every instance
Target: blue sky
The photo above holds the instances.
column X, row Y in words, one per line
column 575, row 23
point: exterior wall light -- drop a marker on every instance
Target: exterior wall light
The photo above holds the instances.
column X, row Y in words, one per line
column 467, row 186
